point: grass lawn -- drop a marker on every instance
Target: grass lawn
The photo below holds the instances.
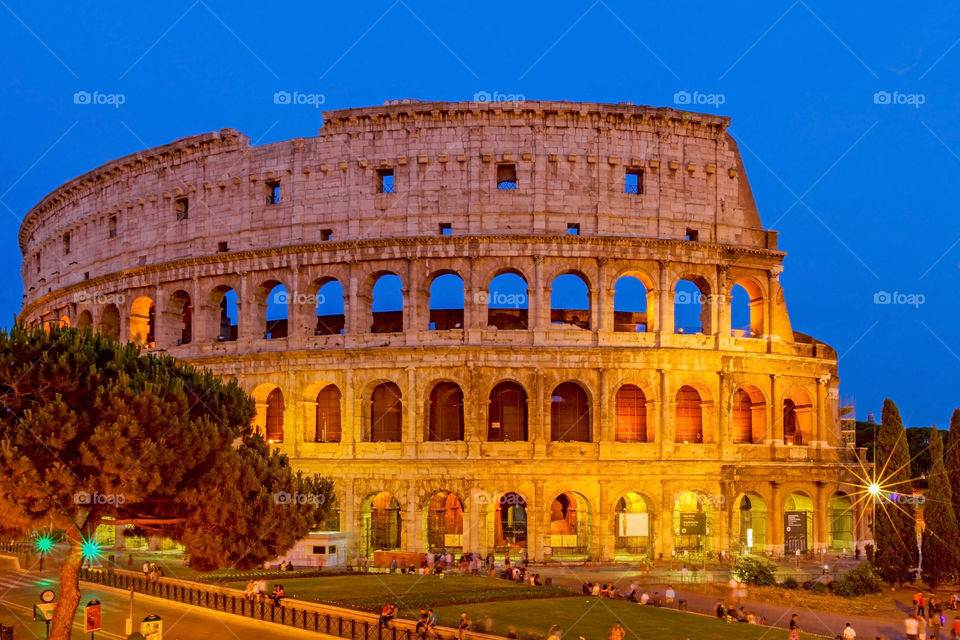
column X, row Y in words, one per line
column 369, row 592
column 592, row 618
column 874, row 605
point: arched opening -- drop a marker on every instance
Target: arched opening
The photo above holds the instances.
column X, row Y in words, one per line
column 570, row 526
column 750, row 524
column 510, row 522
column 569, row 414
column 380, row 524
column 143, row 322
column 444, row 522
column 841, row 539
column 797, row 524
column 689, row 415
column 386, row 413
column 797, row 418
column 331, row 318
column 631, row 414
column 632, row 303
column 748, row 416
column 446, row 413
column 633, row 528
column 690, row 313
column 229, row 314
column 570, row 301
column 181, row 316
column 110, row 322
column 328, row 414
column 446, row 302
column 507, row 413
column 273, row 426
column 387, row 304
column 64, row 321
column 85, row 320
column 276, row 313
column 746, row 309
column 692, row 525
column 507, row 302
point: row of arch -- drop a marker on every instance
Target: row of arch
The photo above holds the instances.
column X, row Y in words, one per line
column 507, row 302
column 634, row 522
column 571, row 416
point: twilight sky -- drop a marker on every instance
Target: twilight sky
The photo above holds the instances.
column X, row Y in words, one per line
column 846, row 119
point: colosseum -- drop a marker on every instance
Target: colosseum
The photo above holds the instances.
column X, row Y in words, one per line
column 551, row 327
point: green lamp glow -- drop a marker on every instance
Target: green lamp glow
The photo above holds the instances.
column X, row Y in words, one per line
column 90, row 550
column 43, row 542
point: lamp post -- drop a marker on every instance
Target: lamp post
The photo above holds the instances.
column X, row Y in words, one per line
column 874, row 490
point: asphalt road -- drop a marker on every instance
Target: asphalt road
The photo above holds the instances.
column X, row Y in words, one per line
column 20, row 591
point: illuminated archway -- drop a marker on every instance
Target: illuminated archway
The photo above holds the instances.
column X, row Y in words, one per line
column 693, row 524
column 443, row 517
column 509, row 520
column 570, row 525
column 381, row 524
column 633, row 527
column 797, row 524
column 749, row 524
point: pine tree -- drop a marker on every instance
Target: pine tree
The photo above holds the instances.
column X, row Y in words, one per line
column 940, row 541
column 895, row 525
column 91, row 431
column 952, row 461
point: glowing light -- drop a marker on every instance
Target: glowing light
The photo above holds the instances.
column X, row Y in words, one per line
column 90, row 550
column 43, row 542
column 874, row 489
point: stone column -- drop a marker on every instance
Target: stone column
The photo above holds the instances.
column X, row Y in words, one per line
column 601, row 303
column 351, row 429
column 411, row 523
column 665, row 431
column 537, row 537
column 602, row 527
column 665, row 518
column 823, row 422
column 722, row 302
column 602, row 431
column 350, row 518
column 665, row 303
column 821, row 518
column 773, row 289
column 538, row 308
column 776, row 413
column 775, row 526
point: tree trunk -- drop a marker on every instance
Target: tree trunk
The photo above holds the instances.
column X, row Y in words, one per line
column 66, row 608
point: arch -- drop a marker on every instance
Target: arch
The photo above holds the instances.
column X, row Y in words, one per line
column 633, row 302
column 330, row 311
column 328, row 419
column 386, row 413
column 225, row 301
column 631, row 414
column 446, row 301
column 749, row 523
column 387, row 304
column 570, row 301
column 689, row 415
column 445, row 412
column 748, row 418
column 569, row 414
column 110, row 321
column 507, row 301
column 797, row 523
column 443, row 522
column 840, row 529
column 509, row 519
column 143, row 322
column 797, row 416
column 276, row 302
column 633, row 527
column 181, row 317
column 746, row 308
column 507, row 413
column 693, row 523
column 64, row 321
column 570, row 525
column 270, row 411
column 85, row 320
column 381, row 524
column 691, row 313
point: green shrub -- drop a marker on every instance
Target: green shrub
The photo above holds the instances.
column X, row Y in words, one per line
column 818, row 588
column 791, row 583
column 755, row 571
column 859, row 581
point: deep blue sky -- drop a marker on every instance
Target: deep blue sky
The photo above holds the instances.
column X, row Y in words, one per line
column 864, row 195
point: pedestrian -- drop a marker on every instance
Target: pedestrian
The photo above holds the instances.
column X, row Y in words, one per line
column 683, row 574
column 146, row 568
column 393, row 565
column 795, row 623
column 277, row 594
column 848, row 632
column 387, row 614
column 911, row 627
column 463, row 626
column 670, row 595
column 617, row 632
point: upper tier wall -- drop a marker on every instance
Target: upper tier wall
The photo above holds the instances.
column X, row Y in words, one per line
column 570, row 161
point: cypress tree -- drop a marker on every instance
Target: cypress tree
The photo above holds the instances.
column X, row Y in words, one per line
column 939, row 545
column 952, row 461
column 895, row 525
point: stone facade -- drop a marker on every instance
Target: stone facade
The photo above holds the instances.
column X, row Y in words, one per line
column 740, row 426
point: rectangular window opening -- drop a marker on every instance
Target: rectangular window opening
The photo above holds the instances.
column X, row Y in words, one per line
column 506, row 176
column 326, row 235
column 66, row 243
column 385, row 181
column 182, row 207
column 693, row 235
column 112, row 227
column 273, row 192
column 446, row 229
column 319, row 550
column 633, row 182
column 573, row 228
column 222, row 247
